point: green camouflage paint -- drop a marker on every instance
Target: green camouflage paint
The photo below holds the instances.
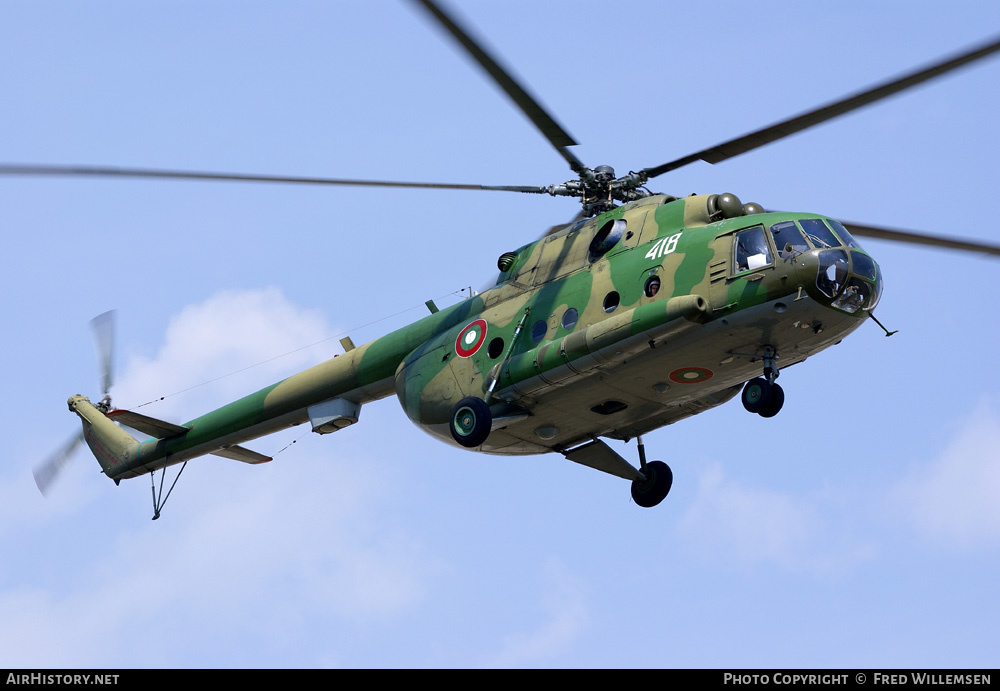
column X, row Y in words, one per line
column 619, row 347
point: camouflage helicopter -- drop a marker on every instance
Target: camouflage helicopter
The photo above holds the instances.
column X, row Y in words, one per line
column 633, row 317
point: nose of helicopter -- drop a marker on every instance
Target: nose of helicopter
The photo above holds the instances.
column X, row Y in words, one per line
column 848, row 279
column 833, row 266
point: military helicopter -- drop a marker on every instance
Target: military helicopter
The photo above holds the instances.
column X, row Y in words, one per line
column 630, row 318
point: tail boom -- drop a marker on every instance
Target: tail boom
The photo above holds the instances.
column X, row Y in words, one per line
column 114, row 448
column 363, row 374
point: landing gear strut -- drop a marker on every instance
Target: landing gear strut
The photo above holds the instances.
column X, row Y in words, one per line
column 763, row 395
column 655, row 485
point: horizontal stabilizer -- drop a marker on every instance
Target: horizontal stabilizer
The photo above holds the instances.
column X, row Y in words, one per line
column 159, row 429
column 238, row 453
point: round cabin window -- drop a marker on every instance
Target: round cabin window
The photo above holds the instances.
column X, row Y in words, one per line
column 570, row 318
column 652, row 286
column 495, row 348
column 611, row 301
column 538, row 330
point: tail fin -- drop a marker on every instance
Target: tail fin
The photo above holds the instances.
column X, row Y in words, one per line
column 113, row 447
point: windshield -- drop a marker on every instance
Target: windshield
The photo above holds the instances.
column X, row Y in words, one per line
column 788, row 239
column 819, row 234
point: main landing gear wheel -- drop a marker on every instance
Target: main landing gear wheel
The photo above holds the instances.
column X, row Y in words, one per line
column 756, row 394
column 470, row 422
column 651, row 491
column 763, row 397
column 775, row 400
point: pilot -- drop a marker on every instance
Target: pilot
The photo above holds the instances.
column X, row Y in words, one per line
column 852, row 297
column 652, row 286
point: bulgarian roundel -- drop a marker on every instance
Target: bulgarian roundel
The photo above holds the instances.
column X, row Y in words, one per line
column 691, row 375
column 471, row 338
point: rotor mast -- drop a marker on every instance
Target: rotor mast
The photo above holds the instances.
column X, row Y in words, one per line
column 598, row 189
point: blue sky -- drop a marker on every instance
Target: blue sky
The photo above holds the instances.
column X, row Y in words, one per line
column 860, row 527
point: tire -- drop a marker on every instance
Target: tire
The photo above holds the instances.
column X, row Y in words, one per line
column 470, row 422
column 774, row 403
column 654, row 489
column 756, row 394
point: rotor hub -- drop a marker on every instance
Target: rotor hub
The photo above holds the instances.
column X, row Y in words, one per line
column 598, row 189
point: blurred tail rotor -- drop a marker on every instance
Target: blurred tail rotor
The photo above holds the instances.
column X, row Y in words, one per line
column 103, row 326
column 48, row 472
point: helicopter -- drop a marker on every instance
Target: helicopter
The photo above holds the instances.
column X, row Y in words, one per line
column 646, row 310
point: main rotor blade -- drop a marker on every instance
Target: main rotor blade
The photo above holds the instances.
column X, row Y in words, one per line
column 555, row 229
column 894, row 235
column 530, row 106
column 753, row 140
column 48, row 472
column 116, row 172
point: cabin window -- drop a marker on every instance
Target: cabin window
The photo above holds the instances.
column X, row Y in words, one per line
column 495, row 349
column 538, row 330
column 752, row 251
column 611, row 301
column 570, row 318
column 652, row 286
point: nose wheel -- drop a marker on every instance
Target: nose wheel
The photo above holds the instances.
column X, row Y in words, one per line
column 763, row 395
column 470, row 422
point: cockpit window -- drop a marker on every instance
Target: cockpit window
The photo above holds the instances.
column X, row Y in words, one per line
column 863, row 265
column 854, row 295
column 788, row 239
column 818, row 233
column 876, row 294
column 832, row 272
column 852, row 279
column 844, row 235
column 751, row 250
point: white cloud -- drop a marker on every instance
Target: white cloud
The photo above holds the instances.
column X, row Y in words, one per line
column 257, row 549
column 953, row 499
column 566, row 619
column 731, row 521
column 256, row 336
column 756, row 524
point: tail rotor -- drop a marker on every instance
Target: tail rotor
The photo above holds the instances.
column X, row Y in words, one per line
column 47, row 472
column 103, row 326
